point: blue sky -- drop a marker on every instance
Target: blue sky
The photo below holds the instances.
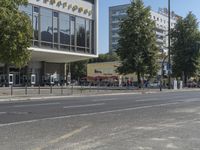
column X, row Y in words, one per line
column 181, row 7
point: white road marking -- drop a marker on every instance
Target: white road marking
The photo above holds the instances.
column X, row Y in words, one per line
column 171, row 146
column 33, row 105
column 88, row 114
column 2, row 113
column 109, row 99
column 191, row 100
column 146, row 100
column 17, row 113
column 64, row 137
column 177, row 97
column 87, row 105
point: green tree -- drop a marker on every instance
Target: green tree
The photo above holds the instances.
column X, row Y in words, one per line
column 109, row 57
column 79, row 69
column 137, row 44
column 15, row 34
column 12, row 4
column 184, row 54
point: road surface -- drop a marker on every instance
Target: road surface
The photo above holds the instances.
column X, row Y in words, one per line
column 159, row 121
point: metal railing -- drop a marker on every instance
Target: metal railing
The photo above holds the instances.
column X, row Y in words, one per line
column 62, row 90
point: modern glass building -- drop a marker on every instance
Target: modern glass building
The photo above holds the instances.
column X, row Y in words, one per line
column 64, row 31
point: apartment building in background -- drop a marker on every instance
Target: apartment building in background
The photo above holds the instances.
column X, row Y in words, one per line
column 117, row 13
column 64, row 31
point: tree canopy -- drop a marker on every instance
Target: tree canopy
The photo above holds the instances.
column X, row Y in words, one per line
column 79, row 69
column 186, row 57
column 109, row 57
column 15, row 33
column 137, row 44
column 12, row 4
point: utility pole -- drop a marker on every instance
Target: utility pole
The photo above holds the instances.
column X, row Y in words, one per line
column 169, row 45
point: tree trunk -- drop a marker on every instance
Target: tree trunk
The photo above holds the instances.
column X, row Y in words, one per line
column 139, row 79
column 7, row 71
column 185, row 79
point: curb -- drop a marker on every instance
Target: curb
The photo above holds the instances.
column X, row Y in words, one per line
column 72, row 96
column 13, row 99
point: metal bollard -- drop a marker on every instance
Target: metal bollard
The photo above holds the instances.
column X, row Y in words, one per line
column 11, row 92
column 81, row 89
column 51, row 89
column 62, row 90
column 39, row 90
column 72, row 92
column 26, row 90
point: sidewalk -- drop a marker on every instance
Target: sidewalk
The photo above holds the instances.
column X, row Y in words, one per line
column 8, row 98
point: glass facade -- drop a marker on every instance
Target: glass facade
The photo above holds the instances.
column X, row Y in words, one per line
column 46, row 28
column 72, row 33
column 36, row 26
column 60, row 31
column 64, row 31
column 55, row 29
column 80, row 32
column 90, row 1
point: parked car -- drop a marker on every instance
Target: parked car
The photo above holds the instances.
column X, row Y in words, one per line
column 154, row 84
column 191, row 84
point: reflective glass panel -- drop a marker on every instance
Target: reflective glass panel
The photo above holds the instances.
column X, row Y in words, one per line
column 64, row 29
column 55, row 27
column 72, row 32
column 46, row 27
column 80, row 32
column 36, row 23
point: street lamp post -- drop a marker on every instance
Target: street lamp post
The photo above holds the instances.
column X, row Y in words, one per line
column 169, row 45
column 162, row 72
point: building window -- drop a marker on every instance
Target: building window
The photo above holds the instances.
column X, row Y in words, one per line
column 80, row 33
column 115, row 25
column 55, row 29
column 88, row 35
column 36, row 26
column 72, row 33
column 92, row 37
column 46, row 27
column 64, row 31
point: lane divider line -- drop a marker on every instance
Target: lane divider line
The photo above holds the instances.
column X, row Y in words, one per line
column 2, row 113
column 89, row 114
column 34, row 105
column 102, row 100
column 87, row 105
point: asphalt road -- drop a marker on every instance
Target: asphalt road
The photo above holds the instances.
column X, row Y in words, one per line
column 118, row 122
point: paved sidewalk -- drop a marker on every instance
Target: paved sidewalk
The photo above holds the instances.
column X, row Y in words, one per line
column 32, row 97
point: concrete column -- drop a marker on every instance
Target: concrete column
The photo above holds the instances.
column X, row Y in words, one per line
column 65, row 74
column 43, row 71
